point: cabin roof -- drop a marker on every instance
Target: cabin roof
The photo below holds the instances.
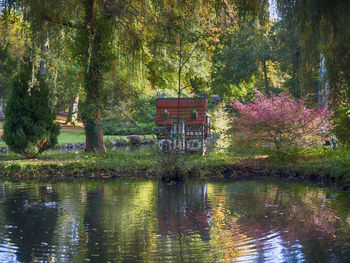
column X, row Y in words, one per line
column 186, row 105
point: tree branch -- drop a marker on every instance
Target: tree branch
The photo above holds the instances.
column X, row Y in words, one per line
column 61, row 22
column 189, row 56
column 92, row 11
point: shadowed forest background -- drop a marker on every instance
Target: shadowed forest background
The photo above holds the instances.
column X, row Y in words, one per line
column 105, row 61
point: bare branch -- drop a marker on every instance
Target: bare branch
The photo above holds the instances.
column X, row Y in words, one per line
column 189, row 56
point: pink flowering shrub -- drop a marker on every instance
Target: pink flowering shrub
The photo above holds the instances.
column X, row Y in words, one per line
column 281, row 121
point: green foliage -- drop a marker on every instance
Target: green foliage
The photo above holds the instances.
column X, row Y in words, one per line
column 145, row 110
column 13, row 31
column 321, row 163
column 139, row 121
column 29, row 127
column 112, row 127
column 235, row 63
column 319, row 27
column 287, row 55
column 220, row 125
column 342, row 123
column 7, row 69
column 245, row 57
column 124, row 48
column 177, row 48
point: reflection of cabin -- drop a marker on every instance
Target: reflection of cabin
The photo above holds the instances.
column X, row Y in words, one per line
column 183, row 209
column 191, row 133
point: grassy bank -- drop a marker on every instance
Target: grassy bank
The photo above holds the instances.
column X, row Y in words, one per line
column 325, row 165
column 113, row 163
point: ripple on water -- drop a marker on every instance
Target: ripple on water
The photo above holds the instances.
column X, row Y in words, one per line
column 150, row 221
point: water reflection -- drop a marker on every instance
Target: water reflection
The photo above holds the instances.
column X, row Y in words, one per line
column 151, row 221
column 29, row 232
column 183, row 209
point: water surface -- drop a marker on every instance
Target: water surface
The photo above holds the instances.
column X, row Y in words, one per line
column 151, row 221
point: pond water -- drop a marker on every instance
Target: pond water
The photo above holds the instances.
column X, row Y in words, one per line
column 150, row 221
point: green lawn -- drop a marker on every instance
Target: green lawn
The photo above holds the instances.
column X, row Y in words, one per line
column 75, row 135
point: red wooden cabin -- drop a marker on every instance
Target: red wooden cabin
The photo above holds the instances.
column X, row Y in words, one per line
column 191, row 133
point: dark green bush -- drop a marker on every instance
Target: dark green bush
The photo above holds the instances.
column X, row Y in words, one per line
column 29, row 128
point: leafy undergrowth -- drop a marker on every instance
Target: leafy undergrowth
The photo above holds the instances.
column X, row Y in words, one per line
column 323, row 163
column 317, row 163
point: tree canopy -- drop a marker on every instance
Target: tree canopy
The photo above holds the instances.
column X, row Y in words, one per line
column 111, row 52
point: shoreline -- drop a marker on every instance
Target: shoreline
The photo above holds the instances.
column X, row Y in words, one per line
column 64, row 165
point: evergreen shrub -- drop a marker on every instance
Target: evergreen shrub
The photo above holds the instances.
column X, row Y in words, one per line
column 29, row 128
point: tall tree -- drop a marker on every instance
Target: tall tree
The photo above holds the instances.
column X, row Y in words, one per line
column 95, row 44
column 323, row 28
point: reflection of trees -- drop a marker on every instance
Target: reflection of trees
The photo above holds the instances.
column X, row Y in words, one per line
column 225, row 233
column 32, row 230
column 93, row 222
column 106, row 221
column 129, row 220
column 2, row 218
column 69, row 238
column 297, row 214
column 119, row 221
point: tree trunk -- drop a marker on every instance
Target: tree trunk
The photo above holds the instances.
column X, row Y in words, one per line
column 265, row 76
column 44, row 48
column 73, row 109
column 97, row 46
column 2, row 113
column 91, row 111
column 92, row 107
column 94, row 135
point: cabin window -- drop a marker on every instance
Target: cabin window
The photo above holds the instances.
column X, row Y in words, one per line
column 194, row 115
column 165, row 115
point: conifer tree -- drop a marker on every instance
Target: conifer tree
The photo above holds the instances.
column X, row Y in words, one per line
column 29, row 128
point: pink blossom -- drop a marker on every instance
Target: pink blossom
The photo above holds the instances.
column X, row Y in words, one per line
column 281, row 120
